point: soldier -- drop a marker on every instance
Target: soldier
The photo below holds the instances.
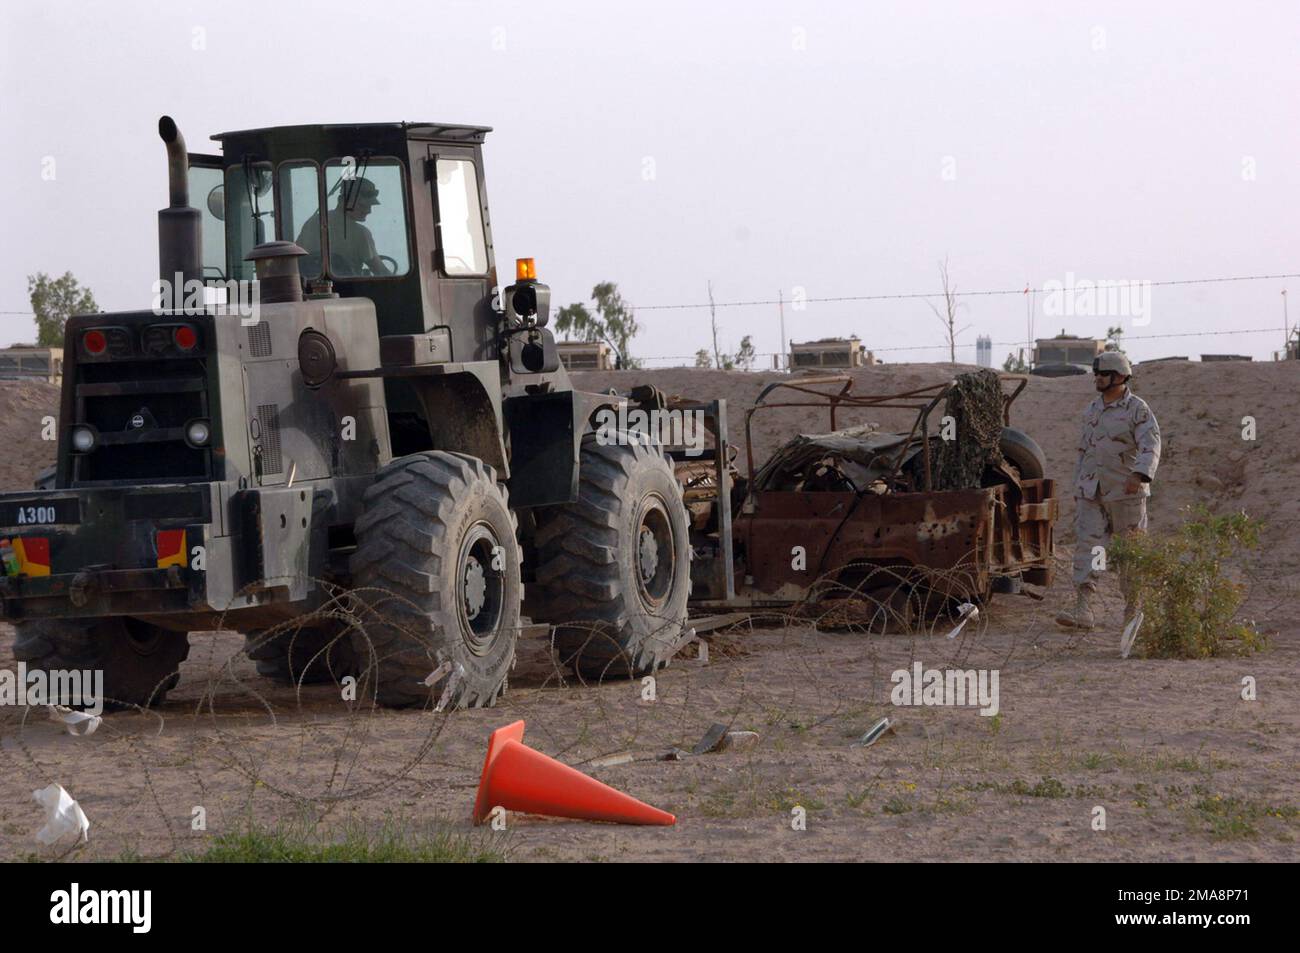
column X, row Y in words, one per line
column 1119, row 450
column 352, row 246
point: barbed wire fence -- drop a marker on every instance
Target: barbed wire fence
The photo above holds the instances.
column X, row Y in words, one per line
column 250, row 751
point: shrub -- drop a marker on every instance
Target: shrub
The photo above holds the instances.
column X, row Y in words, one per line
column 1188, row 601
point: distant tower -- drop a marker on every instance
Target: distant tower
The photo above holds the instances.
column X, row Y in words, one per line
column 984, row 351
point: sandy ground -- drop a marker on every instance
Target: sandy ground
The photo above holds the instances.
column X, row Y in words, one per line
column 1183, row 767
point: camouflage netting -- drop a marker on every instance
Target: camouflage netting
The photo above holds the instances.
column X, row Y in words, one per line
column 975, row 403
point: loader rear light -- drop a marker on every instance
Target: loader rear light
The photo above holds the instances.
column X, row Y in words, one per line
column 95, row 342
column 171, row 548
column 27, row 556
column 525, row 269
column 166, row 340
column 106, row 342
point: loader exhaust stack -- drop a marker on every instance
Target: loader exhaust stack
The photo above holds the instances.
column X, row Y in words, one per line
column 180, row 235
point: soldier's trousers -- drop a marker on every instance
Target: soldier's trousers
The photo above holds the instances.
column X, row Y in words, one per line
column 1095, row 522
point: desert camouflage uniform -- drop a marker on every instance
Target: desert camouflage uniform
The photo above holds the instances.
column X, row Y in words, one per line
column 1117, row 440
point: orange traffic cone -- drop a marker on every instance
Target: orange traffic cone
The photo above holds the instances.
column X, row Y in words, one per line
column 518, row 778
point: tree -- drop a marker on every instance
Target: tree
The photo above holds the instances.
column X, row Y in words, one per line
column 54, row 300
column 1115, row 338
column 746, row 356
column 702, row 358
column 713, row 321
column 613, row 322
column 1015, row 364
column 949, row 314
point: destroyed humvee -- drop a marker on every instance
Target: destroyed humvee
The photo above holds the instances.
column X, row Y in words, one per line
column 866, row 514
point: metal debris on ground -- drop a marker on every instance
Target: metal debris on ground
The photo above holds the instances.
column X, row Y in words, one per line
column 875, row 732
column 682, row 641
column 965, row 612
column 534, row 630
column 609, row 760
column 710, row 622
column 436, row 675
column 1127, row 640
column 711, row 740
column 449, row 690
column 738, row 740
column 79, row 724
column 674, row 754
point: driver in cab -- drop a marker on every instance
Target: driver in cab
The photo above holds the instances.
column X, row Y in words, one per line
column 352, row 246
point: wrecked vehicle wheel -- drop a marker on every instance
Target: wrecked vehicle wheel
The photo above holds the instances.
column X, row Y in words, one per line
column 436, row 571
column 140, row 661
column 1023, row 452
column 613, row 568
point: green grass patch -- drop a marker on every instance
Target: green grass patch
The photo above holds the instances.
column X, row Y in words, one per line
column 897, row 805
column 1233, row 818
column 1045, row 787
column 392, row 841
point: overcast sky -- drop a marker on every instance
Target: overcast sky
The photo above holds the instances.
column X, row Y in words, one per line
column 838, row 148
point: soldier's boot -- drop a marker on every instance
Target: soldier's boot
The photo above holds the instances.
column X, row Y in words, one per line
column 1082, row 617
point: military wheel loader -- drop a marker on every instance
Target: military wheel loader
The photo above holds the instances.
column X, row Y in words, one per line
column 333, row 414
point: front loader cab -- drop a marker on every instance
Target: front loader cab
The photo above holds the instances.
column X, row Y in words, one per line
column 393, row 212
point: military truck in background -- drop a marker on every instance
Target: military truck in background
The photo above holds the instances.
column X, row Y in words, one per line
column 390, row 432
column 1065, row 355
column 31, row 362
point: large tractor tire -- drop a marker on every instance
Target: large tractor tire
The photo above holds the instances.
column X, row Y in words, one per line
column 613, row 568
column 140, row 661
column 437, row 578
column 303, row 656
column 1024, row 453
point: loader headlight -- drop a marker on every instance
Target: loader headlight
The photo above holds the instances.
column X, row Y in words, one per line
column 84, row 439
column 197, row 433
column 530, row 303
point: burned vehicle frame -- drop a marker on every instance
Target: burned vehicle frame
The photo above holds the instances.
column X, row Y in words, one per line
column 856, row 513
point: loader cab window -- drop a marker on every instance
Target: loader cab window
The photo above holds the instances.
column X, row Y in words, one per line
column 250, row 214
column 207, row 193
column 460, row 219
column 365, row 212
column 298, row 197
